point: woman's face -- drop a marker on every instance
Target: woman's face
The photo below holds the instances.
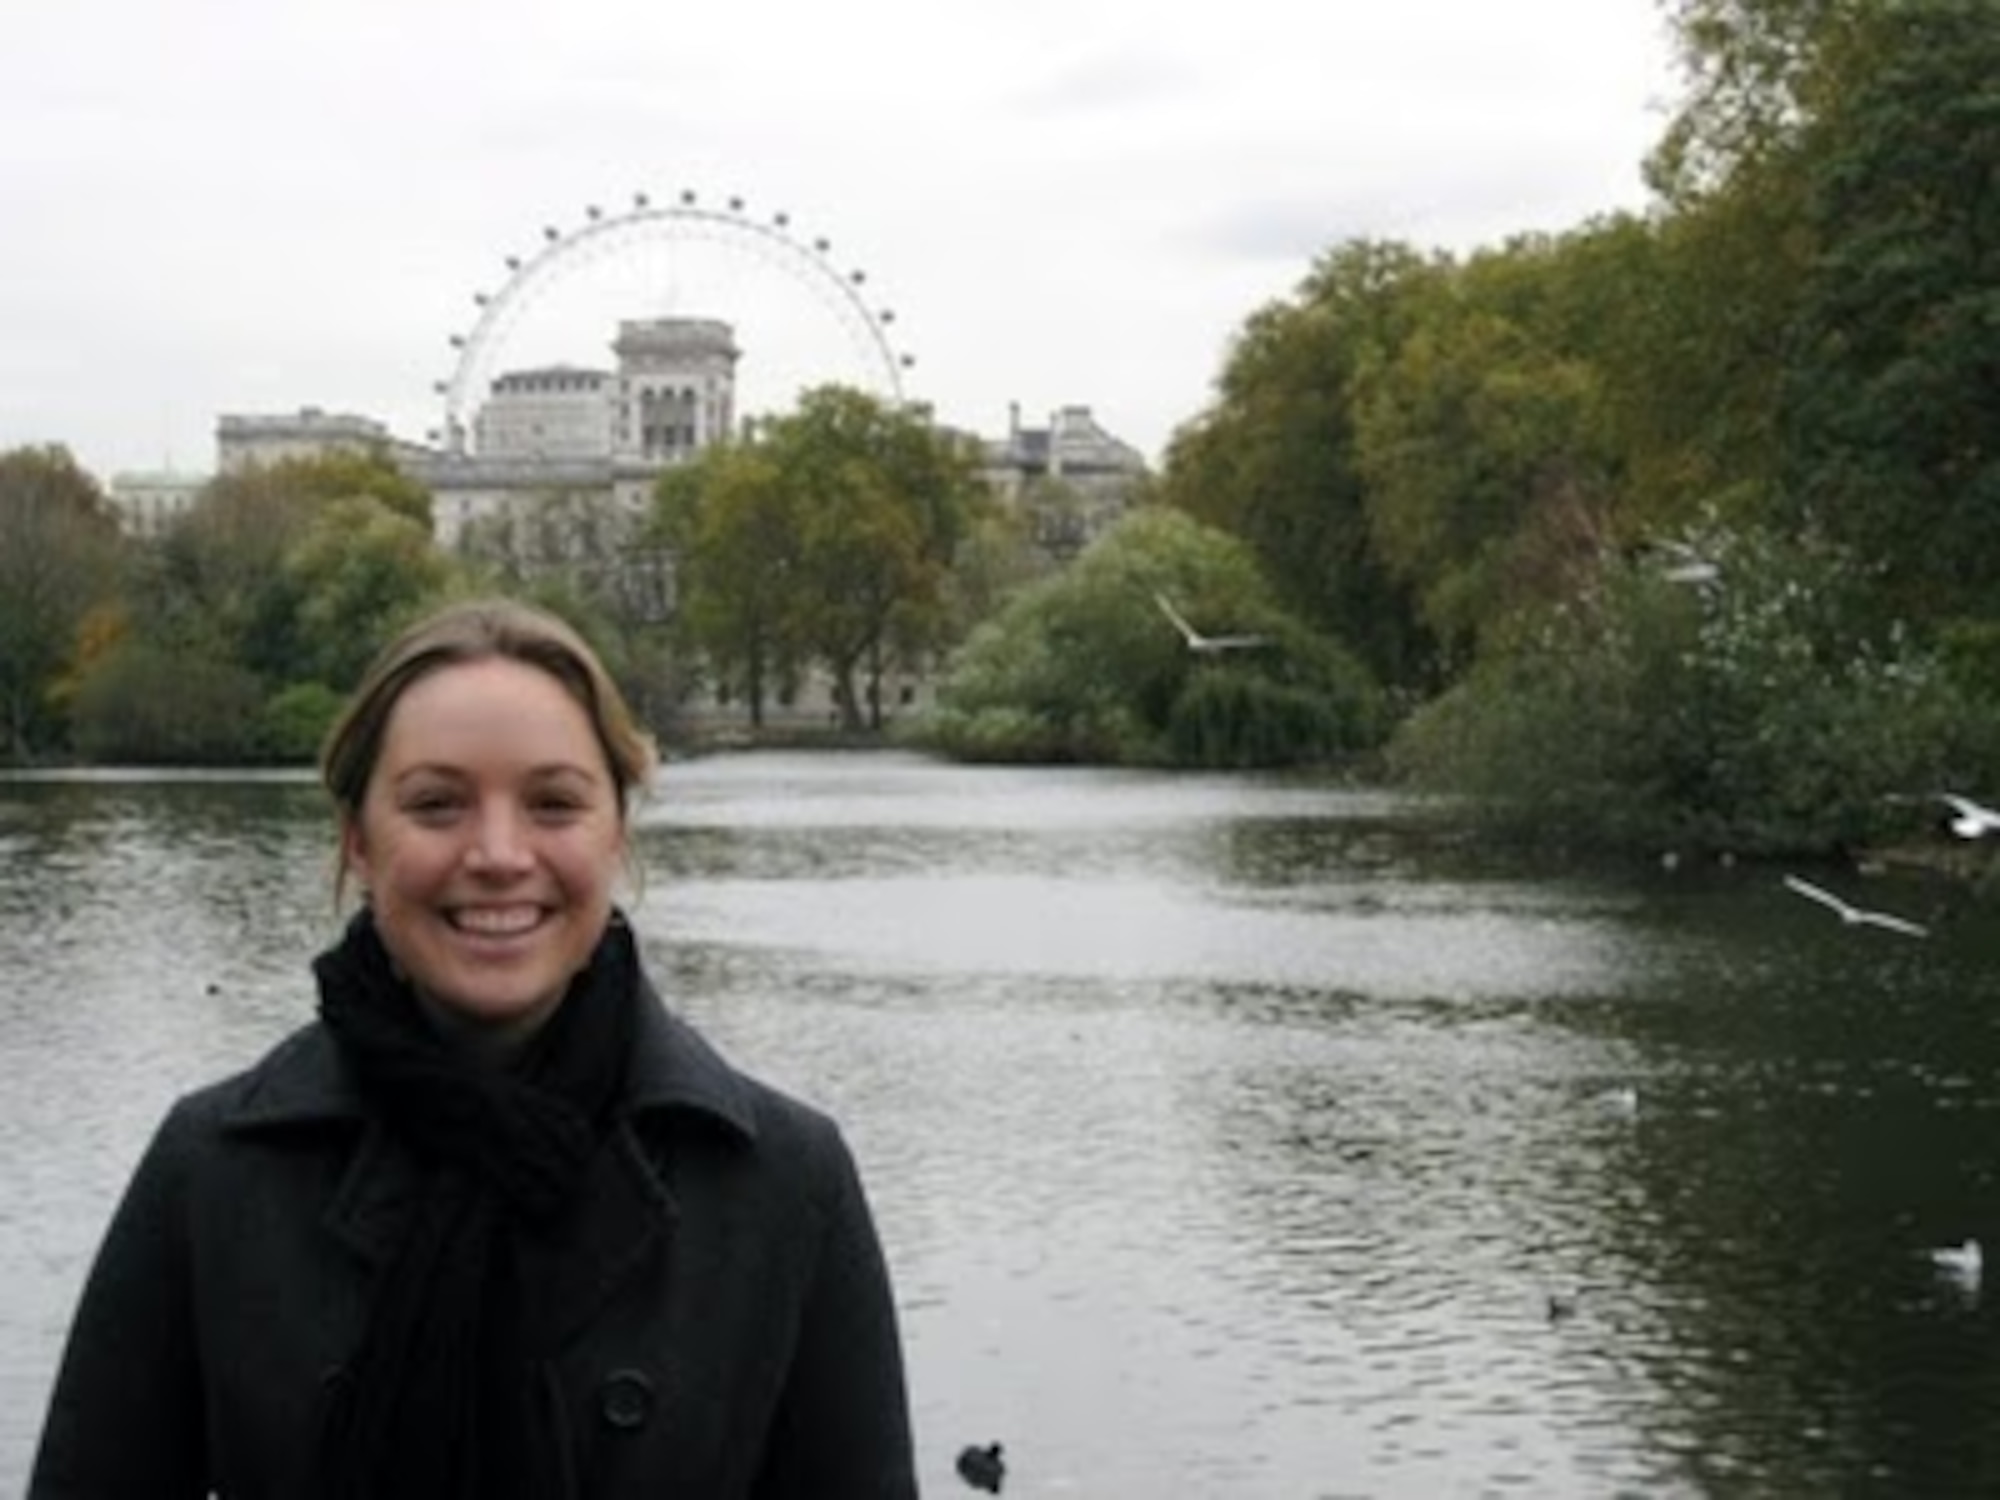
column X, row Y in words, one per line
column 488, row 842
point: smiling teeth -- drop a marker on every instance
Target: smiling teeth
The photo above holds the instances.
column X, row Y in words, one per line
column 498, row 922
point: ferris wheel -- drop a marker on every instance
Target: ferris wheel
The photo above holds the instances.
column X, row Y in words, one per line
column 716, row 258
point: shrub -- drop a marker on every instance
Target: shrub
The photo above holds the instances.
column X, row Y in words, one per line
column 1745, row 714
column 295, row 720
column 142, row 705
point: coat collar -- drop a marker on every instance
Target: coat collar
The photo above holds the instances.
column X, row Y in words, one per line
column 673, row 1070
column 625, row 1211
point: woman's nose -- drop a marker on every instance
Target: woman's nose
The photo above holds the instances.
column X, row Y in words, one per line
column 499, row 841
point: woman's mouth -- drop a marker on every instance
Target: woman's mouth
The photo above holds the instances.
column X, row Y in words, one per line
column 495, row 921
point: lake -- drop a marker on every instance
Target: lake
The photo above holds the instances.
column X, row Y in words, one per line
column 1230, row 1136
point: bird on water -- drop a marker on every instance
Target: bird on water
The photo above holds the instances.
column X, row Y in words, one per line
column 983, row 1468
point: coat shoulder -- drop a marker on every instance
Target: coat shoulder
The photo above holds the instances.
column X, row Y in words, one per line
column 300, row 1079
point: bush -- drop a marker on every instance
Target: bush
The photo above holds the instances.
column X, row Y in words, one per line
column 1745, row 715
column 141, row 705
column 295, row 721
column 1084, row 666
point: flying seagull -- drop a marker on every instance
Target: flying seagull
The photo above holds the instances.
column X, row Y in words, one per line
column 1973, row 821
column 1207, row 644
column 1855, row 916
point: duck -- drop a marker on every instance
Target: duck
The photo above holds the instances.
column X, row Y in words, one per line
column 982, row 1468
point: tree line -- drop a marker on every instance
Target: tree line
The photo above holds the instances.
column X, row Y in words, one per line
column 825, row 544
column 1681, row 525
column 1678, row 526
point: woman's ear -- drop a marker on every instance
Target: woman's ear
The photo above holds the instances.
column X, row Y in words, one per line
column 354, row 855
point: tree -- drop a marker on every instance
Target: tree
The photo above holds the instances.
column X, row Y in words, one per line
column 1757, row 712
column 825, row 540
column 149, row 704
column 358, row 574
column 1274, row 462
column 59, row 552
column 1083, row 665
column 1488, row 485
column 219, row 583
column 1752, row 69
column 883, row 500
column 1892, row 377
column 731, row 523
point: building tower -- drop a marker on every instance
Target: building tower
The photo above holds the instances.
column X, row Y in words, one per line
column 676, row 389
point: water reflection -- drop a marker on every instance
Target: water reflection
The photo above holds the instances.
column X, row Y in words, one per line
column 1230, row 1136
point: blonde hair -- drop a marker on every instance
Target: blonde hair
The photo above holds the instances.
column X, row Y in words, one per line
column 481, row 630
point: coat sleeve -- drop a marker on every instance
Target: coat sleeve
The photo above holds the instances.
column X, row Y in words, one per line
column 843, row 1424
column 125, row 1419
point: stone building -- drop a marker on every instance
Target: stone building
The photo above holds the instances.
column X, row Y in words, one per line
column 559, row 413
column 564, row 459
column 309, row 432
column 1072, row 478
column 148, row 500
column 567, row 433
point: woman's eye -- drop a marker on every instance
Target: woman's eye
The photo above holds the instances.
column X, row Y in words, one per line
column 431, row 809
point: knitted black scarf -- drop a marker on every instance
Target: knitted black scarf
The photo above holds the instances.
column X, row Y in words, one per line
column 440, row 1400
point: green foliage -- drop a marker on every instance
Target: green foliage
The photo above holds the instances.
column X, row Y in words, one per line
column 1084, row 665
column 825, row 541
column 1748, row 715
column 1231, row 721
column 59, row 555
column 1483, row 444
column 1890, row 382
column 360, row 571
column 730, row 518
column 149, row 705
column 1274, row 462
column 294, row 721
column 342, row 475
column 277, row 577
column 1753, row 75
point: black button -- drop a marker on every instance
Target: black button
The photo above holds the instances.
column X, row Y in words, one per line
column 626, row 1399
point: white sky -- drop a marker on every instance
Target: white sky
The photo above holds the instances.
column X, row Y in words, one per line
column 214, row 206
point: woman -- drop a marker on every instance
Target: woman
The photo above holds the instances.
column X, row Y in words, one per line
column 497, row 1224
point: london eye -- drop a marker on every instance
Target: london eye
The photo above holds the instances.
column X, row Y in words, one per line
column 802, row 317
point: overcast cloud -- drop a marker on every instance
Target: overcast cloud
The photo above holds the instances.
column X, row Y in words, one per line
column 215, row 207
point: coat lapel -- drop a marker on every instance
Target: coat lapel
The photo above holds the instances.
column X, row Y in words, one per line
column 619, row 1226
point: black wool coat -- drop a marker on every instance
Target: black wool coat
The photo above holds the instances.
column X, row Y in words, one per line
column 716, row 1300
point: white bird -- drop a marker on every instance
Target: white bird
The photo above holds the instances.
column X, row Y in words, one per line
column 1973, row 821
column 1964, row 1261
column 1855, row 916
column 1688, row 565
column 1207, row 644
column 1620, row 1101
column 1692, row 568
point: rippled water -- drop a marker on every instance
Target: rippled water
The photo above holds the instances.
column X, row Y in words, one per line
column 1229, row 1136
